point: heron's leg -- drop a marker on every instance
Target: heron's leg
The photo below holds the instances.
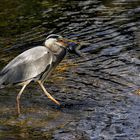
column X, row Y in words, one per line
column 48, row 94
column 18, row 98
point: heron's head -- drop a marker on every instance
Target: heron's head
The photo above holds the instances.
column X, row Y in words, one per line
column 55, row 42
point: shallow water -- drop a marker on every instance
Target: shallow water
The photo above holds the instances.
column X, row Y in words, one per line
column 98, row 92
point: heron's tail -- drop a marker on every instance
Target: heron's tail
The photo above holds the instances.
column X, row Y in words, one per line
column 2, row 82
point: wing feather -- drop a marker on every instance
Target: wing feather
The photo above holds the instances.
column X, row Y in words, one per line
column 27, row 65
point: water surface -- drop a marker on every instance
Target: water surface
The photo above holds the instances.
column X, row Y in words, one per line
column 98, row 92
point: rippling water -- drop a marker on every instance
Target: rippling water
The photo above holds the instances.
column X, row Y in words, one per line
column 98, row 91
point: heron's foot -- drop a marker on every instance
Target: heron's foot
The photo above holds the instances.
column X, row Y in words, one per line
column 66, row 105
column 62, row 105
column 54, row 100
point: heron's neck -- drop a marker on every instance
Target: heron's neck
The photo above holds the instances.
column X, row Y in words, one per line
column 60, row 54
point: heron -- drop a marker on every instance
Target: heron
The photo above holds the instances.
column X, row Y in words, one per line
column 36, row 64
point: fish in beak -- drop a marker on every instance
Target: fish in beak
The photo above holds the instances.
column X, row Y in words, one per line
column 73, row 47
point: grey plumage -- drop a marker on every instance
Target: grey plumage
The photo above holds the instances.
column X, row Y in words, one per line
column 30, row 65
column 35, row 64
column 27, row 66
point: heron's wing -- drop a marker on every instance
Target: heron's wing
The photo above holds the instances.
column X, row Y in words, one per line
column 27, row 65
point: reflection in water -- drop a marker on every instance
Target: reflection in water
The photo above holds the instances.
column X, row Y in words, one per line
column 97, row 91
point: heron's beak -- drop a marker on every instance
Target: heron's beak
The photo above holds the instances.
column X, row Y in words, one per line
column 72, row 41
column 62, row 42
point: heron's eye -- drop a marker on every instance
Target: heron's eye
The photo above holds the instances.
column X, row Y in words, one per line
column 60, row 40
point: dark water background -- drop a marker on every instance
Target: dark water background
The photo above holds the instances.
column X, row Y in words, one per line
column 99, row 91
